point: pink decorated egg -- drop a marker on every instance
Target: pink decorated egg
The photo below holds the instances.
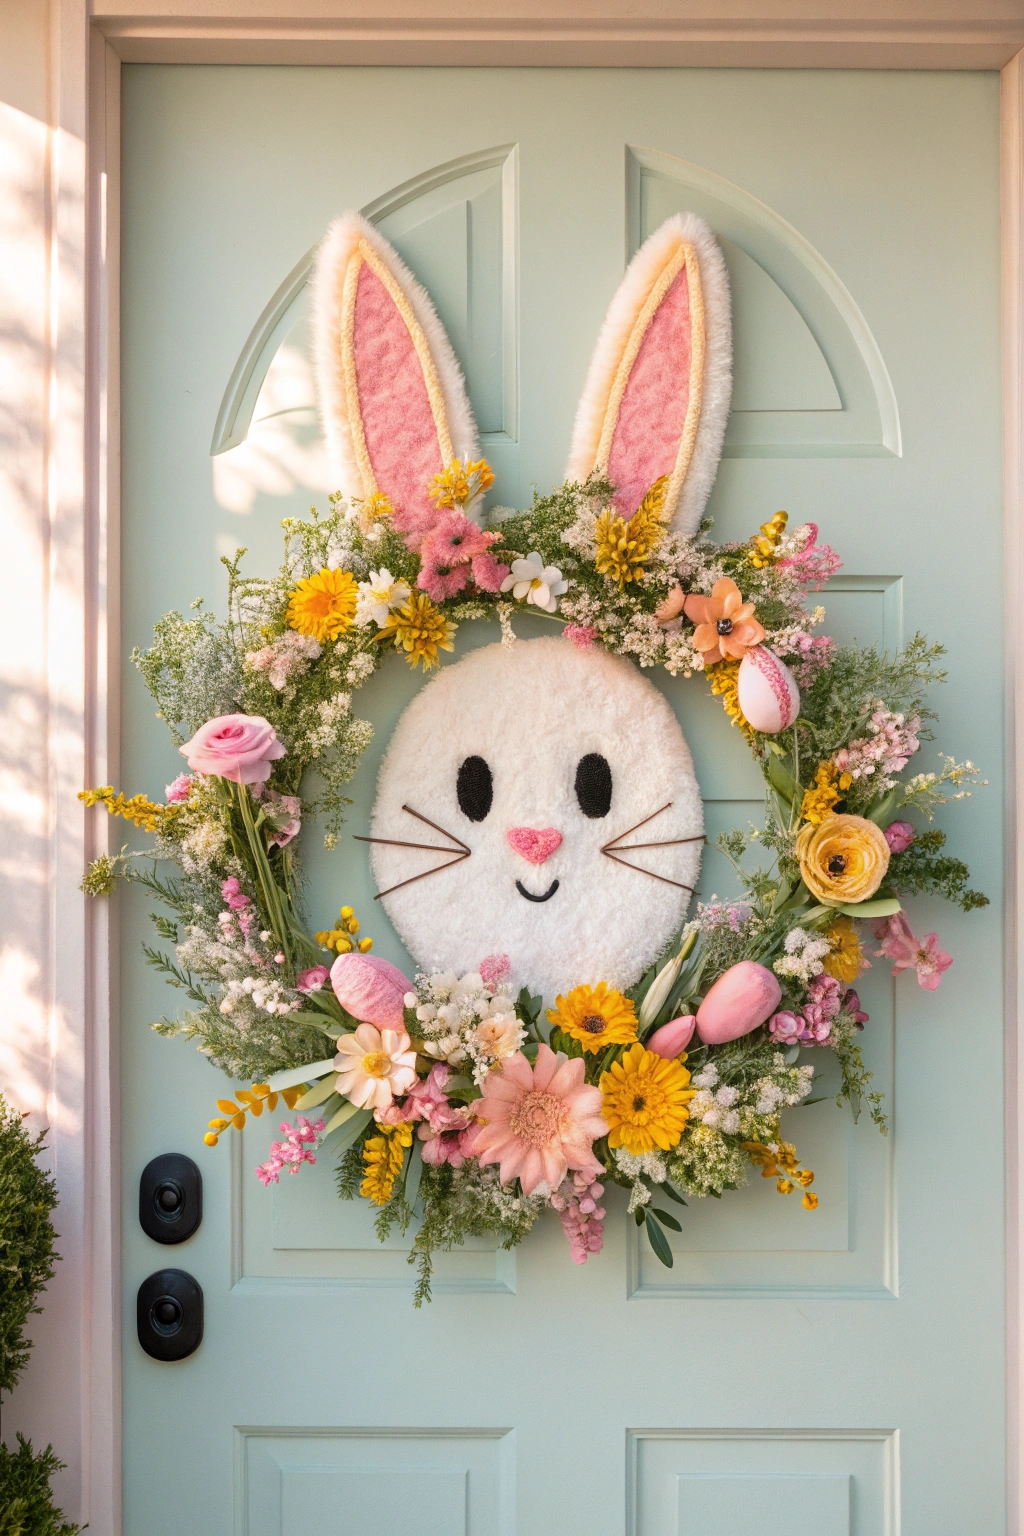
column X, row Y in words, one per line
column 673, row 1037
column 371, row 989
column 741, row 999
column 767, row 690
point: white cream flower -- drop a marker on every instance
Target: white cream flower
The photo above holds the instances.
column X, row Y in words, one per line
column 375, row 1066
column 377, row 596
column 498, row 1036
column 538, row 583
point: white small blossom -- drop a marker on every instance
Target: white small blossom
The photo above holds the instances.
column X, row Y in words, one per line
column 378, row 596
column 538, row 583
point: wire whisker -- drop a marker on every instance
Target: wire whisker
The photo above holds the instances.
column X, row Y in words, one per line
column 669, row 842
column 443, row 830
column 620, row 835
column 639, row 869
column 413, row 878
column 394, row 842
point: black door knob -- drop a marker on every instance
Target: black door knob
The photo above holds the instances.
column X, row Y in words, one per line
column 169, row 1315
column 170, row 1198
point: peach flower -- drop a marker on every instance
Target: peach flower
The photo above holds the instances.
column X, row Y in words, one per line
column 375, row 1066
column 725, row 623
column 538, row 1122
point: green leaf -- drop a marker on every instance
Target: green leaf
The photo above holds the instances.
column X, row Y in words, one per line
column 882, row 813
column 347, row 1114
column 886, row 907
column 293, row 1076
column 781, row 780
column 414, row 1173
column 666, row 1189
column 317, row 1094
column 638, row 1216
column 666, row 1219
column 658, row 1241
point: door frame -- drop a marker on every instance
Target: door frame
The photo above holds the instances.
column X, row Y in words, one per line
column 87, row 44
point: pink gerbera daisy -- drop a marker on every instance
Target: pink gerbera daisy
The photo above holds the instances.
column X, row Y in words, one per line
column 539, row 1121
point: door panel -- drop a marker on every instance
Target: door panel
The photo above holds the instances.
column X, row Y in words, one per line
column 786, row 1372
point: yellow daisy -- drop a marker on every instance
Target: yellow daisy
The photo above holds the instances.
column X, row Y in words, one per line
column 595, row 1016
column 323, row 605
column 845, row 960
column 645, row 1099
column 420, row 629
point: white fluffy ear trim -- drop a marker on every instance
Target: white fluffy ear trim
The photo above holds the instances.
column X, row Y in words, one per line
column 689, row 452
column 448, row 432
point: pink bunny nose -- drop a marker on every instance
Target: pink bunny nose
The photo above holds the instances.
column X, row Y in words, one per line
column 534, row 843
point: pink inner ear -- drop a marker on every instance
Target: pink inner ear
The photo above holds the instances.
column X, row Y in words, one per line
column 653, row 411
column 398, row 424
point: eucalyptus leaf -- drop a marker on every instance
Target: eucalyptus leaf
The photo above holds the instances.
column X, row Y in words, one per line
column 317, row 1094
column 414, row 1173
column 352, row 1122
column 658, row 1241
column 293, row 1076
column 887, row 906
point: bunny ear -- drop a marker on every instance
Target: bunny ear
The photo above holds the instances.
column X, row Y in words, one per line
column 657, row 395
column 392, row 396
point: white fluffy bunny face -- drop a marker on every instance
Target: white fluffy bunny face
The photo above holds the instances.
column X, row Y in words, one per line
column 549, row 769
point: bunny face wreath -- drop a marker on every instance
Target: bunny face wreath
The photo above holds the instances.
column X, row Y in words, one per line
column 538, row 829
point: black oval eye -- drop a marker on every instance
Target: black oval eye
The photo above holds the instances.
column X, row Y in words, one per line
column 594, row 785
column 475, row 788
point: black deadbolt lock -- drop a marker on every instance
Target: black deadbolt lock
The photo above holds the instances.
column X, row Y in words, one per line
column 170, row 1315
column 170, row 1198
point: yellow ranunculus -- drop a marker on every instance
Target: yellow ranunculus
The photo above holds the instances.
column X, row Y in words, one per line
column 844, row 859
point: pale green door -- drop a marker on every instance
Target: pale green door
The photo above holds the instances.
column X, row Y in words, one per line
column 834, row 1376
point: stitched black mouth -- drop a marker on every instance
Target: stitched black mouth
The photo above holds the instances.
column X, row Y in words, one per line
column 521, row 888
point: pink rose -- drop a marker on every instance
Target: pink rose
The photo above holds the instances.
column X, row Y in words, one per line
column 899, row 835
column 179, row 789
column 236, row 747
column 312, row 979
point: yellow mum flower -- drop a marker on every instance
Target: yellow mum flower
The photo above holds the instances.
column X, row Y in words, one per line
column 845, row 960
column 595, row 1016
column 323, row 605
column 844, row 859
column 623, row 545
column 383, row 1156
column 459, row 483
column 420, row 629
column 644, row 1101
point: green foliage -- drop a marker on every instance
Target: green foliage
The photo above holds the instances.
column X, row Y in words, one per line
column 27, row 1240
column 919, row 868
column 26, row 1503
column 836, row 705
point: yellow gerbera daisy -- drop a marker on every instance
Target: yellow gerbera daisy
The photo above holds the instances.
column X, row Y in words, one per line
column 323, row 605
column 645, row 1099
column 420, row 629
column 846, row 959
column 595, row 1016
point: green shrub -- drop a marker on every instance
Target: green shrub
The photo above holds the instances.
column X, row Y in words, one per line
column 26, row 1504
column 27, row 1196
column 27, row 1257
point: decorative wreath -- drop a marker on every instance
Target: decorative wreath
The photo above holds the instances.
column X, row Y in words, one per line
column 538, row 830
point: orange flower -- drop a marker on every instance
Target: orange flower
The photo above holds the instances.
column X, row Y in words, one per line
column 725, row 623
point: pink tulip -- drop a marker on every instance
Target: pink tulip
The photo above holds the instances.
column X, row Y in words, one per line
column 741, row 999
column 371, row 989
column 672, row 1038
column 236, row 747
